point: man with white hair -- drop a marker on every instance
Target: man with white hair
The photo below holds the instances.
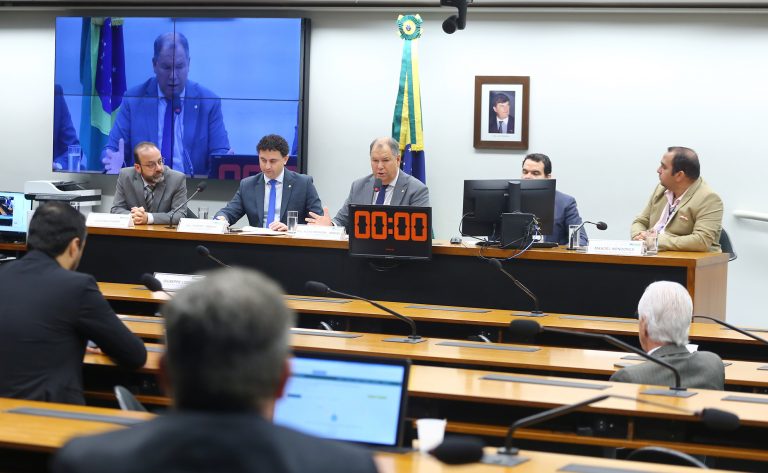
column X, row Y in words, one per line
column 665, row 311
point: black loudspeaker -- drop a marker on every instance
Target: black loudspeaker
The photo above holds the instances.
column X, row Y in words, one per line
column 516, row 229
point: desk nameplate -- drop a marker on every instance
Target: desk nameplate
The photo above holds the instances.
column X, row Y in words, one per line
column 321, row 333
column 448, row 309
column 754, row 400
column 36, row 411
column 598, row 319
column 487, row 346
column 547, row 382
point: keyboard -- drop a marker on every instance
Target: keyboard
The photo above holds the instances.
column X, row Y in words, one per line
column 544, row 244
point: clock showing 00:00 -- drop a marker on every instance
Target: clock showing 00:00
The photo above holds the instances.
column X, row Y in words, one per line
column 402, row 226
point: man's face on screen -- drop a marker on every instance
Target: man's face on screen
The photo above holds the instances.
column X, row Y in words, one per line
column 171, row 69
column 271, row 163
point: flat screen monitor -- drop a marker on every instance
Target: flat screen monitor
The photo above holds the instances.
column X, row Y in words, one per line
column 390, row 231
column 485, row 201
column 14, row 208
column 229, row 82
column 344, row 397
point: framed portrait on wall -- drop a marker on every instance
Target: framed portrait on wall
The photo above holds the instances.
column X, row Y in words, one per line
column 501, row 111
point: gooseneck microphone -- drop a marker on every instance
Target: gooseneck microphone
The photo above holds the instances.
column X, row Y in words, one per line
column 153, row 284
column 572, row 244
column 206, row 253
column 536, row 312
column 200, row 188
column 377, row 185
column 531, row 327
column 732, row 327
column 321, row 289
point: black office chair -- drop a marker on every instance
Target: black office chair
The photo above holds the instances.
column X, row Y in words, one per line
column 127, row 400
column 726, row 245
column 666, row 456
column 189, row 213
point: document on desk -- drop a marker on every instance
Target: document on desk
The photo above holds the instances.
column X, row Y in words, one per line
column 249, row 230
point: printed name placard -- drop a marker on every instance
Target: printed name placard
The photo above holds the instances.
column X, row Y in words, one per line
column 615, row 247
column 319, row 232
column 195, row 225
column 176, row 282
column 99, row 219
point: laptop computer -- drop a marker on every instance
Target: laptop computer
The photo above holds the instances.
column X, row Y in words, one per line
column 345, row 397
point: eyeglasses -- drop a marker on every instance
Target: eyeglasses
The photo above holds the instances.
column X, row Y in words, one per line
column 153, row 164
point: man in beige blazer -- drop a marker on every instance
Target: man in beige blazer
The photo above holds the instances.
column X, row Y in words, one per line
column 683, row 210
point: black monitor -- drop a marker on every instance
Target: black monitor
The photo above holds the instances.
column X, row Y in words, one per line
column 485, row 200
column 14, row 207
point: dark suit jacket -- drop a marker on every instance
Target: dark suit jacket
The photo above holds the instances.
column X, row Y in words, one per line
column 169, row 194
column 566, row 213
column 701, row 369
column 209, row 442
column 493, row 124
column 64, row 133
column 47, row 315
column 408, row 191
column 204, row 131
column 299, row 194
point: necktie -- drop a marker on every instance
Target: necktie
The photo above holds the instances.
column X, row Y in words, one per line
column 272, row 199
column 149, row 196
column 382, row 194
column 166, row 148
column 501, row 124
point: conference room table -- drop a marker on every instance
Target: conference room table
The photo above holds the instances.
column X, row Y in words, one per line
column 459, row 275
column 451, row 322
column 27, row 442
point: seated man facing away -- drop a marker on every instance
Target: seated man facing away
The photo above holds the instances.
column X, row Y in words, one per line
column 48, row 312
column 267, row 197
column 683, row 210
column 665, row 312
column 149, row 191
column 226, row 362
column 398, row 188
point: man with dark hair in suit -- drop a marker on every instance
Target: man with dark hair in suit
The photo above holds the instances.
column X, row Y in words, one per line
column 267, row 197
column 49, row 312
column 665, row 312
column 398, row 188
column 501, row 121
column 226, row 363
column 182, row 116
column 539, row 166
column 149, row 191
column 683, row 211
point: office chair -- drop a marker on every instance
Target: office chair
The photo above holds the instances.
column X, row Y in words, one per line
column 726, row 245
column 189, row 213
column 127, row 400
column 666, row 456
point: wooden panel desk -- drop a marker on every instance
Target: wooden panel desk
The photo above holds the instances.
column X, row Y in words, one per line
column 565, row 282
column 458, row 322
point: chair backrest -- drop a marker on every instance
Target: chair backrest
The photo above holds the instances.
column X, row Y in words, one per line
column 726, row 245
column 127, row 400
column 666, row 456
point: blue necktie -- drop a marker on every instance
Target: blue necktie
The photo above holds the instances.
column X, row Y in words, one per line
column 272, row 199
column 166, row 148
column 382, row 194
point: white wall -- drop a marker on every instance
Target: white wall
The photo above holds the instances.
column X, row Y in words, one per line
column 609, row 92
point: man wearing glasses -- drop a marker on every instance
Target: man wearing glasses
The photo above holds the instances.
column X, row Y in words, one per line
column 149, row 191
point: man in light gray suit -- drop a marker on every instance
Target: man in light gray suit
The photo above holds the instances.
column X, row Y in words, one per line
column 149, row 191
column 398, row 188
column 665, row 312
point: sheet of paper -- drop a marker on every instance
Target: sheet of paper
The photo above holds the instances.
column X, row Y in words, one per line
column 249, row 230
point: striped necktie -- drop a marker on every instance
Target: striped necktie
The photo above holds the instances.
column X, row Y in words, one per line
column 149, row 196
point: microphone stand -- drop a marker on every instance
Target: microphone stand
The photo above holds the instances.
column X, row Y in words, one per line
column 536, row 312
column 200, row 188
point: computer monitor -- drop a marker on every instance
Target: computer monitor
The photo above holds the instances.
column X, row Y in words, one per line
column 14, row 208
column 344, row 397
column 485, row 200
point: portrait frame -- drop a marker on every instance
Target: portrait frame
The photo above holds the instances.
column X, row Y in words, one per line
column 512, row 91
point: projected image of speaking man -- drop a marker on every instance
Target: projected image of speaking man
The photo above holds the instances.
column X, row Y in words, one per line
column 181, row 115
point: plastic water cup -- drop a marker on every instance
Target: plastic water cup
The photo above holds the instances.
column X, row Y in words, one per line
column 202, row 213
column 293, row 220
column 651, row 244
column 574, row 236
column 431, row 433
column 74, row 153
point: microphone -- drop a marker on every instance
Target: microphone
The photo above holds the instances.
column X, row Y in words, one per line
column 200, row 188
column 153, row 284
column 377, row 185
column 572, row 245
column 531, row 327
column 459, row 450
column 206, row 253
column 176, row 103
column 536, row 312
column 732, row 327
column 316, row 287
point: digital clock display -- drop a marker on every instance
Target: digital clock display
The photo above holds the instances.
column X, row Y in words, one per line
column 388, row 231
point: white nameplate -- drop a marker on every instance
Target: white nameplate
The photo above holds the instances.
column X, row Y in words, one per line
column 98, row 219
column 319, row 232
column 176, row 282
column 195, row 225
column 615, row 247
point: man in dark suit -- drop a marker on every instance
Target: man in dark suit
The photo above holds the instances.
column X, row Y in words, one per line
column 226, row 362
column 267, row 197
column 665, row 312
column 539, row 166
column 398, row 188
column 49, row 312
column 149, row 191
column 500, row 120
column 192, row 124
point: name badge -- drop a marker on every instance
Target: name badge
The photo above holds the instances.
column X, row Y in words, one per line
column 319, row 232
column 97, row 219
column 176, row 282
column 615, row 247
column 194, row 225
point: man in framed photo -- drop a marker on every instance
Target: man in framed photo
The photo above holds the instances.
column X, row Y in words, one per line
column 500, row 120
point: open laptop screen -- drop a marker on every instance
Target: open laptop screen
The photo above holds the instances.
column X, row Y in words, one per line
column 355, row 399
